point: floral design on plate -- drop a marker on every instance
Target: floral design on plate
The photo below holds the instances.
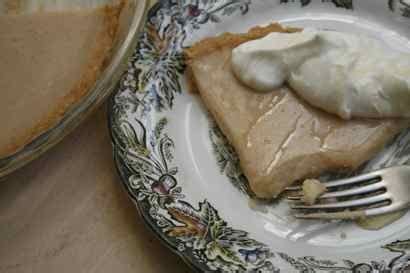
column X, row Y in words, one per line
column 401, row 5
column 145, row 155
column 227, row 160
column 158, row 61
column 347, row 4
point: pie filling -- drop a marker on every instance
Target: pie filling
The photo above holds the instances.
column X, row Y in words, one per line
column 48, row 62
column 278, row 137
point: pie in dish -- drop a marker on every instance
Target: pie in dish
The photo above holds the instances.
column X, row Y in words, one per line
column 278, row 137
column 49, row 60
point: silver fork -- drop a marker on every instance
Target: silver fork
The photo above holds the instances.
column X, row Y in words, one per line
column 392, row 193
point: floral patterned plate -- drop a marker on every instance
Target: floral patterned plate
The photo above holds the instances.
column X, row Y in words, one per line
column 183, row 176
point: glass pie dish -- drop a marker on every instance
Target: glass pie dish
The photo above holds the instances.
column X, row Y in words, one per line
column 129, row 23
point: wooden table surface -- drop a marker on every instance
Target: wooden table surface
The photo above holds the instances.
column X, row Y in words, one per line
column 67, row 212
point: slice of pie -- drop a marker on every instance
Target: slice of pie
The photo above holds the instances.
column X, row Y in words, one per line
column 278, row 137
column 48, row 62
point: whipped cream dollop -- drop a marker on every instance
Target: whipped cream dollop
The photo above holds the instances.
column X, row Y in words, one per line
column 345, row 74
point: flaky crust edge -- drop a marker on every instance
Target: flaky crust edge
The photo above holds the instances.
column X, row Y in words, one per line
column 211, row 44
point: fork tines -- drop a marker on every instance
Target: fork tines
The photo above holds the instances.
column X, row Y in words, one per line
column 348, row 198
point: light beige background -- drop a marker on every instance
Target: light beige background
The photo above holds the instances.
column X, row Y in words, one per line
column 67, row 212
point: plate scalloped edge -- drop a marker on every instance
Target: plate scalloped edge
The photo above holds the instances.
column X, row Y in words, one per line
column 144, row 152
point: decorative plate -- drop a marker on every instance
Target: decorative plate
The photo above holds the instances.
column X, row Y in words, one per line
column 184, row 177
